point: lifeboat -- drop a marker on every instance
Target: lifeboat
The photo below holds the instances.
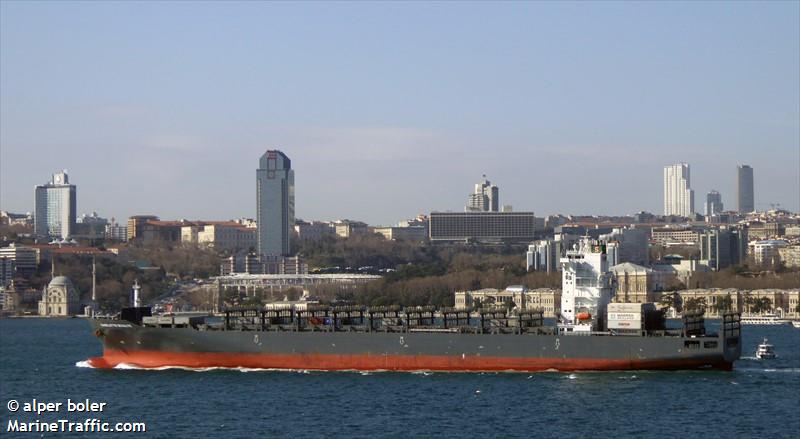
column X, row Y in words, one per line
column 584, row 316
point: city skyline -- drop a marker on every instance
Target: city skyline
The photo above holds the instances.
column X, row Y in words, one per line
column 691, row 190
column 385, row 121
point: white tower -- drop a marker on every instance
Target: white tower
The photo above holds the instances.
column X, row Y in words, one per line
column 678, row 193
column 136, row 288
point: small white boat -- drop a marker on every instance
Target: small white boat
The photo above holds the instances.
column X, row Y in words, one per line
column 796, row 323
column 766, row 319
column 765, row 350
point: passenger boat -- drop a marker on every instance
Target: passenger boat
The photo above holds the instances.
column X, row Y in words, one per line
column 766, row 319
column 765, row 350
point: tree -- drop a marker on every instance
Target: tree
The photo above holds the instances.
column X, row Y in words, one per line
column 695, row 304
column 761, row 305
column 672, row 299
column 723, row 304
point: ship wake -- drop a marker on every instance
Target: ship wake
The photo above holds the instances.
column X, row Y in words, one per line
column 91, row 364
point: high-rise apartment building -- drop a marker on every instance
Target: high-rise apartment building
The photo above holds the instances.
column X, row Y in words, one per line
column 678, row 194
column 485, row 198
column 713, row 203
column 55, row 207
column 745, row 199
column 274, row 203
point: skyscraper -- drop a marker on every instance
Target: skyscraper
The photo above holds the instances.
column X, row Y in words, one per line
column 678, row 194
column 55, row 207
column 713, row 203
column 745, row 199
column 485, row 198
column 275, row 203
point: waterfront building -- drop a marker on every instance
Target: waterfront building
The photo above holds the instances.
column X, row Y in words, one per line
column 546, row 299
column 714, row 301
column 7, row 271
column 745, row 196
column 55, row 204
column 793, row 303
column 252, row 284
column 776, row 299
column 274, row 203
column 25, row 258
column 12, row 299
column 678, row 194
column 514, row 296
column 59, row 298
column 485, row 198
column 635, row 283
column 713, row 204
column 482, row 226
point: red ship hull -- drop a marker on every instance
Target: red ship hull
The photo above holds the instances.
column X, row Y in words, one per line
column 366, row 362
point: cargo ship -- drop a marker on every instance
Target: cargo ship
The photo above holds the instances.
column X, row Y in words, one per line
column 591, row 333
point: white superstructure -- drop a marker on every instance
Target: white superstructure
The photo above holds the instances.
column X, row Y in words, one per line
column 586, row 287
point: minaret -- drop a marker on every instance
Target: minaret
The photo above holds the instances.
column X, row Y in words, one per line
column 94, row 279
column 136, row 289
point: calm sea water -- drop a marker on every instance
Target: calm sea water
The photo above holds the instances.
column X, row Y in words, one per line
column 761, row 398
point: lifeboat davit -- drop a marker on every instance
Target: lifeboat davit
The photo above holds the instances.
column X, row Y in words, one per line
column 584, row 316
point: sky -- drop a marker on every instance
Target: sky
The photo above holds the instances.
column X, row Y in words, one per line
column 388, row 110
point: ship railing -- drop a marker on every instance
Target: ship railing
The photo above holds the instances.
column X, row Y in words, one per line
column 731, row 325
column 419, row 316
column 694, row 323
column 456, row 317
